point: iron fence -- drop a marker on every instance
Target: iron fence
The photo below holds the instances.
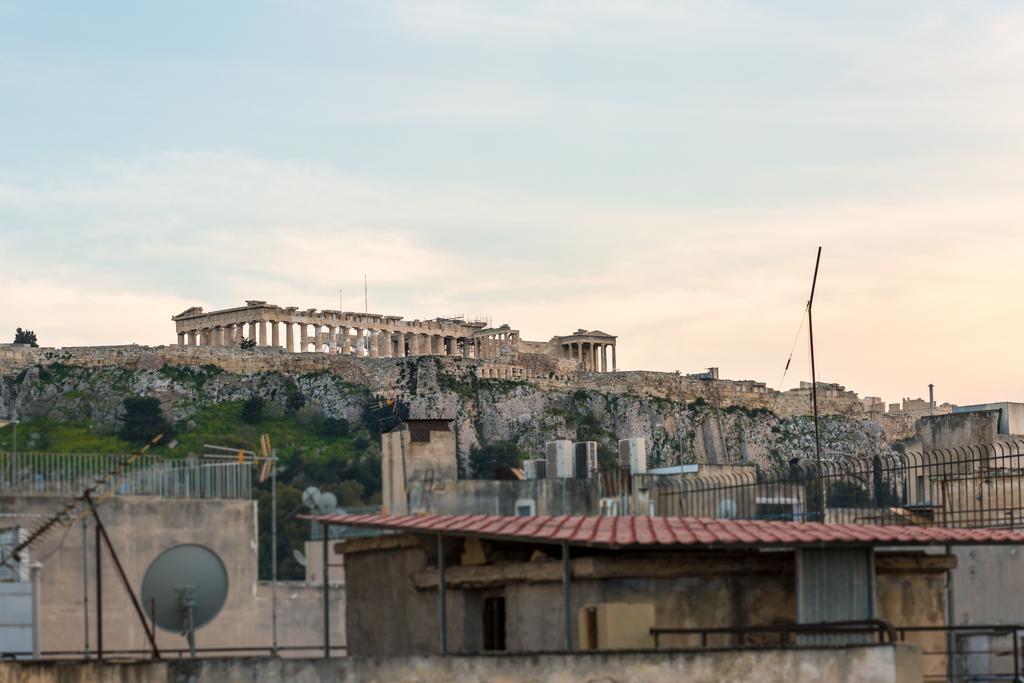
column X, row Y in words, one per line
column 973, row 486
column 68, row 474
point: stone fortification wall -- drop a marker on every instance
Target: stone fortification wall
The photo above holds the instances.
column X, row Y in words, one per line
column 387, row 376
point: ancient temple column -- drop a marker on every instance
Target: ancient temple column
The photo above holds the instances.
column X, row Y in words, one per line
column 425, row 344
column 191, row 337
column 289, row 338
column 356, row 341
column 181, row 339
column 371, row 344
column 613, row 357
column 275, row 339
column 414, row 343
column 383, row 343
column 604, row 358
column 262, row 326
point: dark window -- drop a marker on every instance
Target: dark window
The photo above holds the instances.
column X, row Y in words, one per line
column 494, row 623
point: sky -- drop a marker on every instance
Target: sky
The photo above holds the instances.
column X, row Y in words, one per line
column 662, row 171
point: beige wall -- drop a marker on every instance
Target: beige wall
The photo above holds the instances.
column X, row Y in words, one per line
column 879, row 664
column 407, row 464
column 140, row 529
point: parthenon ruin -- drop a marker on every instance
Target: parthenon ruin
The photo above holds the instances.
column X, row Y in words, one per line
column 371, row 335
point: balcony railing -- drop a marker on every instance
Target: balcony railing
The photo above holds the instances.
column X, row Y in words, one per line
column 68, row 474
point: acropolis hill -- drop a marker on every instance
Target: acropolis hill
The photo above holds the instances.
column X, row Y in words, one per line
column 493, row 383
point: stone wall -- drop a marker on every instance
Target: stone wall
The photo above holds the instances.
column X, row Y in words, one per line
column 867, row 664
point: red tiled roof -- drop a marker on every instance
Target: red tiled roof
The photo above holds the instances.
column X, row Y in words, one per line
column 652, row 532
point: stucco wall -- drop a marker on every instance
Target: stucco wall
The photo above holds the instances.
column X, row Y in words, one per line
column 392, row 598
column 878, row 664
column 140, row 529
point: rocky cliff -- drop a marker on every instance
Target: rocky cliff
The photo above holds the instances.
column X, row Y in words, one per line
column 62, row 389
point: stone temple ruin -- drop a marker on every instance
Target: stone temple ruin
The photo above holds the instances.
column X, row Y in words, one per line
column 371, row 335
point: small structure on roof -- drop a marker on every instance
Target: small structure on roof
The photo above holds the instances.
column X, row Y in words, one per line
column 473, row 583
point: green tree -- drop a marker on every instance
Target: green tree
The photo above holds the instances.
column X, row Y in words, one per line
column 252, row 410
column 334, row 427
column 25, row 337
column 485, row 460
column 143, row 420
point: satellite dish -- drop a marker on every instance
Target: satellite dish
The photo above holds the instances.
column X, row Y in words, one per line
column 299, row 557
column 185, row 588
column 309, row 496
column 326, row 503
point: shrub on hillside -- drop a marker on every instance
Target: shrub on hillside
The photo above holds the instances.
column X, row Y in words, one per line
column 143, row 419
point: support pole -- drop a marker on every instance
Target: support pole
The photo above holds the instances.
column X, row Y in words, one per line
column 814, row 398
column 273, row 552
column 567, row 597
column 85, row 584
column 327, row 594
column 442, row 611
column 99, row 597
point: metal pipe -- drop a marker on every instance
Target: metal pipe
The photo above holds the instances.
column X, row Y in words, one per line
column 327, row 595
column 442, row 611
column 273, row 556
column 99, row 598
column 33, row 570
column 85, row 584
column 567, row 597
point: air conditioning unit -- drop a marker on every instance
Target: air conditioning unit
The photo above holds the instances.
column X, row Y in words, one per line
column 535, row 469
column 633, row 453
column 560, row 459
column 586, row 459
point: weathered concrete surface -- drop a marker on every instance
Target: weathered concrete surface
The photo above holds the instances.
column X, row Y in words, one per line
column 875, row 664
column 391, row 605
column 140, row 528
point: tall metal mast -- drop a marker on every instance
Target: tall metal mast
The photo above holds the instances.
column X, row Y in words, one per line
column 814, row 397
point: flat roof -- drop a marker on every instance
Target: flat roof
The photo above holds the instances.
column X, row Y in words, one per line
column 652, row 533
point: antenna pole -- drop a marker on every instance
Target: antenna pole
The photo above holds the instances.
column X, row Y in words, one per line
column 814, row 397
column 273, row 555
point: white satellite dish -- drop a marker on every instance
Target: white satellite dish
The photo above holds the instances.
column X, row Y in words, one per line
column 309, row 496
column 299, row 557
column 326, row 503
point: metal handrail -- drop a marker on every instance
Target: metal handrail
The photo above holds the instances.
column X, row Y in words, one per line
column 885, row 631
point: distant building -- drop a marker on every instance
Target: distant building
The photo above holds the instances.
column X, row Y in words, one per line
column 1011, row 415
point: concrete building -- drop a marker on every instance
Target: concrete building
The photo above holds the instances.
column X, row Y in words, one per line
column 544, row 584
column 1011, row 415
column 372, row 335
column 140, row 528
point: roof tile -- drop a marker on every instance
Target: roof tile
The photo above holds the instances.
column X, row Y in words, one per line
column 673, row 531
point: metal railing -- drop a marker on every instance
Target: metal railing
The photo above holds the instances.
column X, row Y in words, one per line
column 958, row 654
column 974, row 486
column 68, row 474
column 776, row 635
